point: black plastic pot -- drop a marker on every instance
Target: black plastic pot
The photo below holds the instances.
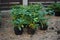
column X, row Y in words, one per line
column 44, row 27
column 17, row 31
column 25, row 25
column 57, row 13
column 58, row 32
column 38, row 23
column 31, row 31
column 0, row 24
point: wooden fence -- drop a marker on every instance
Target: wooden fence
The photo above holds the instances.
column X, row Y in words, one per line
column 6, row 4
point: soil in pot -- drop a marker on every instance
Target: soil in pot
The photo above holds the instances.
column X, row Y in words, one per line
column 31, row 31
column 17, row 31
column 57, row 13
column 44, row 27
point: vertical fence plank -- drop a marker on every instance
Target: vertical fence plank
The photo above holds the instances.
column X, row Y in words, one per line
column 25, row 2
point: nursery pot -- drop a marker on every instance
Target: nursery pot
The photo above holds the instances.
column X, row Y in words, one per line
column 30, row 31
column 25, row 25
column 17, row 31
column 58, row 31
column 57, row 13
column 0, row 24
column 44, row 27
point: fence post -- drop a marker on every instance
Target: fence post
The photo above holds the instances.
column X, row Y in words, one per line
column 25, row 2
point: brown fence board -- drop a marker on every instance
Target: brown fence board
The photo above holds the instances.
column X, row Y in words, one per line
column 39, row 0
column 6, row 4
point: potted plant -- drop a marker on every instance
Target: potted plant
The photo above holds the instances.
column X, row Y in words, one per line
column 32, row 18
column 43, row 18
column 32, row 26
column 18, row 30
column 43, row 25
column 17, row 19
column 30, row 23
column 56, row 8
column 18, row 26
column 31, row 29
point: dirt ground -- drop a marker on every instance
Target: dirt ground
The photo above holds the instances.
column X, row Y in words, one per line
column 7, row 32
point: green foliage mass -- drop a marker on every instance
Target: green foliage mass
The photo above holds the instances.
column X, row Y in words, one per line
column 30, row 14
